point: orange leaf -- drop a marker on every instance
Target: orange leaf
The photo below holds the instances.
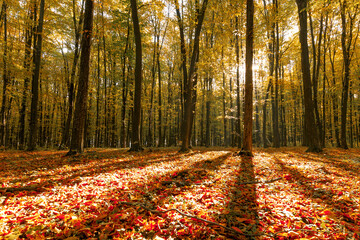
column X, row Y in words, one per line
column 236, row 229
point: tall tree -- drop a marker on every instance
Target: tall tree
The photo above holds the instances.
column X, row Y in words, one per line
column 33, row 135
column 189, row 82
column 248, row 114
column 346, row 44
column 71, row 84
column 3, row 117
column 135, row 140
column 310, row 128
column 78, row 131
column 27, row 66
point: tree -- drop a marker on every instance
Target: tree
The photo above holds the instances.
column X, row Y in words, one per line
column 346, row 44
column 33, row 135
column 71, row 85
column 189, row 82
column 78, row 131
column 3, row 117
column 135, row 140
column 247, row 143
column 310, row 129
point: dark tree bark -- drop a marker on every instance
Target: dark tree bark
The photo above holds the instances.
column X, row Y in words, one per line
column 124, row 92
column 98, row 130
column 346, row 44
column 238, row 105
column 71, row 85
column 27, row 65
column 335, row 105
column 311, row 130
column 6, row 82
column 257, row 118
column 248, row 113
column 33, row 135
column 78, row 131
column 191, row 83
column 316, row 49
column 276, row 38
column 135, row 140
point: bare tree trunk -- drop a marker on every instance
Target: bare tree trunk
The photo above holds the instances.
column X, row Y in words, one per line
column 33, row 135
column 346, row 44
column 311, row 130
column 247, row 143
column 6, row 82
column 276, row 142
column 238, row 105
column 27, row 66
column 78, row 131
column 71, row 88
column 135, row 140
column 124, row 93
column 190, row 87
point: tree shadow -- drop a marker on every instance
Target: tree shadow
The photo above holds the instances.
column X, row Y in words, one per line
column 336, row 160
column 326, row 195
column 86, row 165
column 242, row 211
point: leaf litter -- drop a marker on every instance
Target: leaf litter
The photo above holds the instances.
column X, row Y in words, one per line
column 162, row 194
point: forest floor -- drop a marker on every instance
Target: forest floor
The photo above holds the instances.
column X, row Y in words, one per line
column 162, row 194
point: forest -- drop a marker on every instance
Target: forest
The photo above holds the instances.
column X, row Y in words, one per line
column 179, row 119
column 37, row 110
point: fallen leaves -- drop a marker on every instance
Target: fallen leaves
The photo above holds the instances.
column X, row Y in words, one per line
column 112, row 194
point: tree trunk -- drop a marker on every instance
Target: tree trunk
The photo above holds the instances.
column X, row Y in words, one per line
column 78, row 131
column 276, row 142
column 71, row 88
column 311, row 130
column 6, row 82
column 346, row 43
column 33, row 135
column 247, row 143
column 191, row 84
column 238, row 105
column 124, row 93
column 135, row 140
column 27, row 67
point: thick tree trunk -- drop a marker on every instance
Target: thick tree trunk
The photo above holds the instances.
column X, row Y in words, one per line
column 78, row 131
column 247, row 143
column 135, row 140
column 311, row 130
column 33, row 135
column 27, row 67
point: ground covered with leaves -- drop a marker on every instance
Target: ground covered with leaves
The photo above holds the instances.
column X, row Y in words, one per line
column 162, row 194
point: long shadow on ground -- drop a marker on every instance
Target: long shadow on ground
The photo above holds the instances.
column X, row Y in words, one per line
column 97, row 165
column 242, row 211
column 342, row 208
